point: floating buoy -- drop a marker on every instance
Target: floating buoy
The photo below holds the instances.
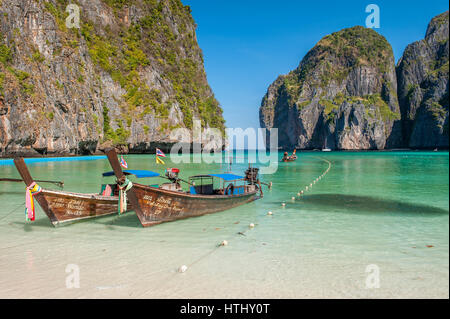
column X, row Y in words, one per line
column 224, row 243
column 251, row 225
column 182, row 268
column 269, row 213
column 283, row 204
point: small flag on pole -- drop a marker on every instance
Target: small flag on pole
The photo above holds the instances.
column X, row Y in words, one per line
column 159, row 161
column 123, row 163
column 160, row 153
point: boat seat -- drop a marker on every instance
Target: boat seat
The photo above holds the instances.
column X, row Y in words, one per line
column 206, row 189
column 110, row 191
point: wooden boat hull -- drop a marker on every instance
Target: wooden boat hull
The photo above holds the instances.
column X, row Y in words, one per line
column 65, row 207
column 159, row 205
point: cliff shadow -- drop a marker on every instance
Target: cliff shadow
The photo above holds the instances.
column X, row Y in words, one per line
column 322, row 136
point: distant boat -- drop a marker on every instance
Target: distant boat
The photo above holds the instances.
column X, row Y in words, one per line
column 287, row 158
column 326, row 149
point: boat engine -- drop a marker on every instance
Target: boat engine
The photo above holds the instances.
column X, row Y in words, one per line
column 172, row 174
column 251, row 175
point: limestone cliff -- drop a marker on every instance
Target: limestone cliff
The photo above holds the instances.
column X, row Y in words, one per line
column 343, row 95
column 423, row 87
column 132, row 72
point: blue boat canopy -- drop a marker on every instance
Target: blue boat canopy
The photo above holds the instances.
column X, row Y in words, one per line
column 135, row 172
column 227, row 177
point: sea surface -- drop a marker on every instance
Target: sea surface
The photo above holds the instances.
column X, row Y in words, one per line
column 375, row 226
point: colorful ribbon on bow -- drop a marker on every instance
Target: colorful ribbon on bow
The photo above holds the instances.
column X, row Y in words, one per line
column 123, row 189
column 31, row 190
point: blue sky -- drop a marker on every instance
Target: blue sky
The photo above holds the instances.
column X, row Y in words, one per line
column 248, row 43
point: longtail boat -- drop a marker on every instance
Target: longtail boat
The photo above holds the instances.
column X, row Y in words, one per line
column 287, row 158
column 168, row 202
column 63, row 207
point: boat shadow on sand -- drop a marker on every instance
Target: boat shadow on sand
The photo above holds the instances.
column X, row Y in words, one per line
column 365, row 205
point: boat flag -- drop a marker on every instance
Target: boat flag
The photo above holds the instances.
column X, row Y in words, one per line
column 160, row 153
column 123, row 163
column 159, row 161
column 31, row 190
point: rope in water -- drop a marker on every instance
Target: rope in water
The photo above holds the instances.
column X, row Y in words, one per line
column 14, row 210
column 184, row 268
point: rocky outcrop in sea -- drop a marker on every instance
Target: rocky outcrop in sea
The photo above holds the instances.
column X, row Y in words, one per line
column 347, row 94
column 423, row 86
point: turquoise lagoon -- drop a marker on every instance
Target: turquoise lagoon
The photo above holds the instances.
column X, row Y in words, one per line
column 388, row 209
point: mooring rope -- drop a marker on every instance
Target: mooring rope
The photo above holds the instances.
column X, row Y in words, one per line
column 184, row 268
column 14, row 210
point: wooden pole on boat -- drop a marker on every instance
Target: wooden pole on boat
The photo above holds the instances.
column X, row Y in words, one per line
column 28, row 180
column 112, row 158
column 268, row 185
column 59, row 184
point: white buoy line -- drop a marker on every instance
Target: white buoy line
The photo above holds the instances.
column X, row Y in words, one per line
column 224, row 243
column 310, row 186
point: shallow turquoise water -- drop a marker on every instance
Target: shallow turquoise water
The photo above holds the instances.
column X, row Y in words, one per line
column 372, row 208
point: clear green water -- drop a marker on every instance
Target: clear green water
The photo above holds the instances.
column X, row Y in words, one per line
column 379, row 208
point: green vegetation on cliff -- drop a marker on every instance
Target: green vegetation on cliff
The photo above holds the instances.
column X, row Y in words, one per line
column 162, row 40
column 342, row 92
column 19, row 77
column 335, row 55
column 358, row 46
